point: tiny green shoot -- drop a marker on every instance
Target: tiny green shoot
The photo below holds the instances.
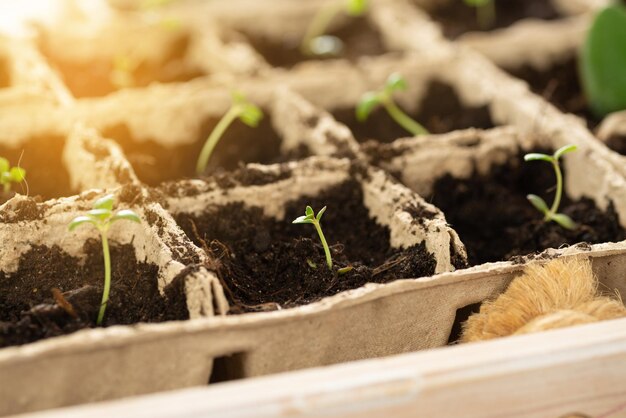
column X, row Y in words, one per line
column 314, row 41
column 551, row 213
column 602, row 62
column 240, row 109
column 485, row 12
column 384, row 97
column 310, row 218
column 102, row 217
column 122, row 73
column 9, row 175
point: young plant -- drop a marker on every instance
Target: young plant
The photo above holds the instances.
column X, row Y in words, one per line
column 485, row 12
column 384, row 97
column 314, row 41
column 10, row 175
column 241, row 108
column 310, row 218
column 102, row 217
column 551, row 214
column 602, row 62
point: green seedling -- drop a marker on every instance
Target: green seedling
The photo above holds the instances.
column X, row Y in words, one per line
column 240, row 109
column 314, row 41
column 384, row 97
column 551, row 214
column 9, row 175
column 602, row 63
column 102, row 217
column 485, row 12
column 122, row 73
column 310, row 218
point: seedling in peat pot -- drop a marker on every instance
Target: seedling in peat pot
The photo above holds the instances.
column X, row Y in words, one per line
column 241, row 108
column 10, row 175
column 602, row 64
column 102, row 217
column 485, row 12
column 384, row 97
column 310, row 218
column 551, row 214
column 314, row 41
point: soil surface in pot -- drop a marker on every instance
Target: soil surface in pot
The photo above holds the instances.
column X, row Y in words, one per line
column 42, row 158
column 617, row 143
column 440, row 111
column 458, row 18
column 95, row 77
column 359, row 36
column 30, row 311
column 560, row 85
column 265, row 264
column 496, row 222
column 241, row 144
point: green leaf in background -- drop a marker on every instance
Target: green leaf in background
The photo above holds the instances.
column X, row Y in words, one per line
column 603, row 62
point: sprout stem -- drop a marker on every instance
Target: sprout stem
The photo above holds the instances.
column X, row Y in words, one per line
column 318, row 228
column 107, row 275
column 6, row 187
column 486, row 15
column 214, row 138
column 320, row 24
column 559, row 188
column 403, row 119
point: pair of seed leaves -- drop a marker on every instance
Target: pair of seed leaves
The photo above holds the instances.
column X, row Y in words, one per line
column 373, row 99
column 10, row 174
column 102, row 215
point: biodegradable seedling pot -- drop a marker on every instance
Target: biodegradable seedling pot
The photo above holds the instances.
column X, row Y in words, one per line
column 60, row 157
column 480, row 181
column 377, row 228
column 163, row 128
column 134, row 50
column 156, row 276
column 276, row 29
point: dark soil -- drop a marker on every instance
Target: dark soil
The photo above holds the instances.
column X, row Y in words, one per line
column 241, row 144
column 560, row 85
column 360, row 39
column 5, row 76
column 29, row 311
column 264, row 263
column 440, row 111
column 617, row 143
column 496, row 222
column 93, row 79
column 458, row 18
column 42, row 158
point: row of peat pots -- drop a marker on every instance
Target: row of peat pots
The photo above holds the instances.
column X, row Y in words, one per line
column 210, row 278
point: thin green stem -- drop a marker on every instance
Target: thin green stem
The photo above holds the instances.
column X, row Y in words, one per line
column 320, row 24
column 6, row 187
column 486, row 15
column 559, row 187
column 107, row 276
column 214, row 138
column 403, row 119
column 329, row 259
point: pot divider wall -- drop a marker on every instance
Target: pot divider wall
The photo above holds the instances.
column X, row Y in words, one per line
column 97, row 364
column 25, row 75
